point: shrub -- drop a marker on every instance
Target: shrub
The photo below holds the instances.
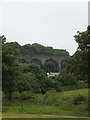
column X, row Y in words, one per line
column 79, row 100
column 26, row 95
column 67, row 79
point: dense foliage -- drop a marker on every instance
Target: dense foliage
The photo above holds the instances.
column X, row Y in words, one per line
column 78, row 64
column 9, row 69
column 35, row 49
column 20, row 76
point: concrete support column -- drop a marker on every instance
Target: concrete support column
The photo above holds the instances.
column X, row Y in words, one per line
column 59, row 66
column 43, row 61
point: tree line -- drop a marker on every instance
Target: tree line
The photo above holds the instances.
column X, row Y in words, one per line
column 34, row 49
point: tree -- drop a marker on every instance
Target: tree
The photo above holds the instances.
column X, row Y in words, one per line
column 39, row 74
column 27, row 82
column 2, row 39
column 15, row 48
column 67, row 79
column 75, row 69
column 83, row 40
column 9, row 70
column 78, row 63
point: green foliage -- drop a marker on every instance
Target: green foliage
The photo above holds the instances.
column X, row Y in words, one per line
column 82, row 84
column 79, row 99
column 27, row 82
column 39, row 74
column 54, row 84
column 75, row 102
column 83, row 40
column 68, row 99
column 78, row 63
column 33, row 78
column 22, row 96
column 14, row 48
column 26, row 95
column 35, row 49
column 67, row 79
column 9, row 71
column 2, row 39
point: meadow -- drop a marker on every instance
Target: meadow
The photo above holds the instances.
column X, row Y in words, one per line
column 69, row 103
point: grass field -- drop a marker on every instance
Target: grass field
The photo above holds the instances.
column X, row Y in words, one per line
column 20, row 115
column 36, row 109
column 27, row 115
column 55, row 103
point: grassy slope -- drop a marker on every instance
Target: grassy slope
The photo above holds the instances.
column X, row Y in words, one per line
column 55, row 103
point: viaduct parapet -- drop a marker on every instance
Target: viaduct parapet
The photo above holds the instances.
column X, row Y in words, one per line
column 44, row 58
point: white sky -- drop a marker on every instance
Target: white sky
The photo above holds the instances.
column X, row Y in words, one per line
column 47, row 23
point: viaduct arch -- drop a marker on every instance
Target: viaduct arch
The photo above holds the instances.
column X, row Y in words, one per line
column 44, row 58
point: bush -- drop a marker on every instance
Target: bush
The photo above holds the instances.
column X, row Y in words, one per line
column 82, row 84
column 68, row 100
column 79, row 99
column 67, row 79
column 26, row 95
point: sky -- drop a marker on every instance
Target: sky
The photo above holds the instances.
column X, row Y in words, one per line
column 47, row 23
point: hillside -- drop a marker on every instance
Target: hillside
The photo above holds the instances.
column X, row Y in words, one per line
column 35, row 49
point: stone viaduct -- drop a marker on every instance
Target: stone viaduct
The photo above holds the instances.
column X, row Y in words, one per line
column 44, row 58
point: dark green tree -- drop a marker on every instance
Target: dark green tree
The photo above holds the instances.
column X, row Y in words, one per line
column 27, row 82
column 78, row 63
column 9, row 70
column 83, row 40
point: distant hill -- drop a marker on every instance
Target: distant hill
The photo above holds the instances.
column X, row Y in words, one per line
column 35, row 49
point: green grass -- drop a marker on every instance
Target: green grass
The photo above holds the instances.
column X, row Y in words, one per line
column 20, row 115
column 55, row 103
column 36, row 109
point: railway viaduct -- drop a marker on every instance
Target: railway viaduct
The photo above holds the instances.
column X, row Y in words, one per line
column 44, row 58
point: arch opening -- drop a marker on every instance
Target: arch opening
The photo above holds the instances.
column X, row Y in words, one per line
column 36, row 61
column 51, row 66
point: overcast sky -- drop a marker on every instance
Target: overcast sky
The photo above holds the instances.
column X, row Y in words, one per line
column 47, row 23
